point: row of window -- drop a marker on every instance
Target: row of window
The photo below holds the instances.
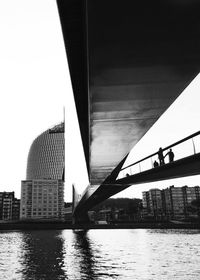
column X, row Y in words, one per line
column 45, row 214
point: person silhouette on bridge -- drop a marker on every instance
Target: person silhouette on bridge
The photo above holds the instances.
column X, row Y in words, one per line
column 171, row 155
column 155, row 164
column 161, row 157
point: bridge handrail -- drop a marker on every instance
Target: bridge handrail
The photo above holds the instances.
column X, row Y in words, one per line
column 163, row 149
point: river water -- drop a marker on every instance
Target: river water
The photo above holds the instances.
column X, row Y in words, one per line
column 141, row 254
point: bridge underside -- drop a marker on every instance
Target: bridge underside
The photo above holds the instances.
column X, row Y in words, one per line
column 128, row 60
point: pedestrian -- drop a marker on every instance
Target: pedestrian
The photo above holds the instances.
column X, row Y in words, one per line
column 155, row 164
column 160, row 156
column 171, row 155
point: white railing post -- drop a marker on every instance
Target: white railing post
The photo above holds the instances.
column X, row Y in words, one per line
column 194, row 149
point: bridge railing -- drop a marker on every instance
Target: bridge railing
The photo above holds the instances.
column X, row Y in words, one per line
column 188, row 146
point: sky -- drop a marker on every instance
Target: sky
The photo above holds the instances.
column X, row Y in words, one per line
column 35, row 87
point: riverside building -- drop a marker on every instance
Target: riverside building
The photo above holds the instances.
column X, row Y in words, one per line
column 42, row 199
column 170, row 203
column 9, row 206
column 42, row 193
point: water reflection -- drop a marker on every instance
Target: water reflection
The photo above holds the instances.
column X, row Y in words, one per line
column 57, row 255
column 42, row 255
column 86, row 257
column 95, row 262
column 138, row 254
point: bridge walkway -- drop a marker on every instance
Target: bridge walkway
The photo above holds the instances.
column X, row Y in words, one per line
column 123, row 177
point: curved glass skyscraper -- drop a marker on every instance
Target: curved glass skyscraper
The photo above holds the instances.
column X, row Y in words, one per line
column 46, row 157
column 42, row 193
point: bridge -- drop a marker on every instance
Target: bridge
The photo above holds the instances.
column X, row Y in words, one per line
column 123, row 177
column 128, row 61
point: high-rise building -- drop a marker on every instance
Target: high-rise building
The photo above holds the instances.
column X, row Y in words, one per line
column 46, row 158
column 42, row 193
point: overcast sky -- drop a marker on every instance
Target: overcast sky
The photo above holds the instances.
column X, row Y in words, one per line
column 35, row 86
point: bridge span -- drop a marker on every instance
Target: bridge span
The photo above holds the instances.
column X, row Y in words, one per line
column 182, row 167
column 128, row 61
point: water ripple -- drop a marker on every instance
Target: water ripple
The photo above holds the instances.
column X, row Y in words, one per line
column 138, row 254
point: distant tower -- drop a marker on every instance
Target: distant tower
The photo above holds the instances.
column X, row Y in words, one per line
column 42, row 193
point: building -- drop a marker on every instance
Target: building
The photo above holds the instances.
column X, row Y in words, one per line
column 7, row 200
column 46, row 158
column 42, row 193
column 152, row 203
column 16, row 209
column 155, row 197
column 104, row 215
column 170, row 203
column 9, row 206
column 167, row 203
column 146, row 200
column 178, row 202
column 192, row 194
column 42, row 199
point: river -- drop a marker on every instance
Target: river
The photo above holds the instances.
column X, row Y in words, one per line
column 123, row 254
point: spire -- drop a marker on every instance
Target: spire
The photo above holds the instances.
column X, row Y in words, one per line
column 64, row 114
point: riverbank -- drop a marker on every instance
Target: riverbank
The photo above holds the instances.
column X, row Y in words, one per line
column 56, row 225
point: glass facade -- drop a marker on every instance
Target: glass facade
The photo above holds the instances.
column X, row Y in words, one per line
column 46, row 157
column 42, row 193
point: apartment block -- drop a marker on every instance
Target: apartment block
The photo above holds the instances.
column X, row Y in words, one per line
column 9, row 206
column 42, row 199
column 170, row 203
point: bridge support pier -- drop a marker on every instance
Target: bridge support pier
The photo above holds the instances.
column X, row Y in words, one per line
column 80, row 219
